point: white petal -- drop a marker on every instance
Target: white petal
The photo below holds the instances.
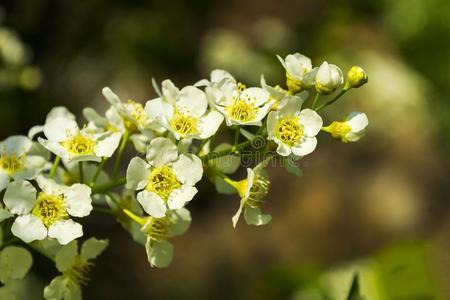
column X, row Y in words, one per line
column 17, row 145
column 323, row 74
column 179, row 197
column 188, row 169
column 55, row 148
column 59, row 111
column 236, row 216
column 291, row 106
column 49, row 186
column 262, row 112
column 20, row 197
column 253, row 216
column 192, row 101
column 297, row 64
column 305, row 147
column 112, row 98
column 357, row 121
column 283, row 149
column 78, row 200
column 152, row 204
column 209, row 124
column 161, row 151
column 29, row 228
column 65, row 231
column 256, row 95
column 137, row 174
column 92, row 116
column 159, row 254
column 272, row 124
column 169, row 91
column 158, row 109
column 311, row 121
column 59, row 128
column 34, row 131
column 218, row 75
column 106, row 146
column 4, row 179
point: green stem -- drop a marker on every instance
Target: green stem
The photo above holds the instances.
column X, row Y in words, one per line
column 40, row 251
column 213, row 155
column 108, row 186
column 98, row 171
column 54, row 167
column 80, row 171
column 316, row 98
column 237, row 134
column 123, row 143
column 341, row 93
column 202, row 144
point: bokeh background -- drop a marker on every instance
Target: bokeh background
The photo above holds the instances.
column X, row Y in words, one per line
column 379, row 207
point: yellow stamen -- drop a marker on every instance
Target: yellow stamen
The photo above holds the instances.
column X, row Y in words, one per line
column 49, row 208
column 338, row 129
column 184, row 125
column 162, row 181
column 11, row 164
column 289, row 131
column 242, row 110
column 79, row 144
column 137, row 116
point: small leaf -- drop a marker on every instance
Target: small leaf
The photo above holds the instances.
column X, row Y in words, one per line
column 227, row 164
column 292, row 168
column 93, row 248
column 224, row 188
column 65, row 258
column 253, row 216
column 247, row 134
column 182, row 221
column 354, row 293
column 14, row 263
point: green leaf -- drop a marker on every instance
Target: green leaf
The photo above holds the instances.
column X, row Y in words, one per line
column 4, row 214
column 224, row 188
column 1, row 237
column 62, row 287
column 354, row 293
column 227, row 164
column 93, row 248
column 247, row 134
column 292, row 168
column 159, row 254
column 65, row 258
column 14, row 263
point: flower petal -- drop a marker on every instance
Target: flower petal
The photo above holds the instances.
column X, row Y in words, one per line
column 192, row 101
column 188, row 169
column 159, row 254
column 78, row 200
column 256, row 95
column 209, row 124
column 152, row 204
column 179, row 197
column 106, row 146
column 20, row 197
column 137, row 174
column 59, row 128
column 16, row 145
column 161, row 151
column 29, row 228
column 305, row 147
column 237, row 215
column 65, row 231
column 357, row 121
column 253, row 216
column 311, row 121
column 4, row 179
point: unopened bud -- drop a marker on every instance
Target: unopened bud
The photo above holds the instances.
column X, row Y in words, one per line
column 356, row 77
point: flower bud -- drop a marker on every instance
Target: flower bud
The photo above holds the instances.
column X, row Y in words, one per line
column 329, row 77
column 356, row 77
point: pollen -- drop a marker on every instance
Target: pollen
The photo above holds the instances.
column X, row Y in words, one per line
column 242, row 110
column 49, row 208
column 289, row 131
column 184, row 125
column 339, row 129
column 79, row 144
column 137, row 115
column 258, row 191
column 10, row 164
column 162, row 181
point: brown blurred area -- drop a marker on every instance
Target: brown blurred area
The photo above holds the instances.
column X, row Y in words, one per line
column 352, row 199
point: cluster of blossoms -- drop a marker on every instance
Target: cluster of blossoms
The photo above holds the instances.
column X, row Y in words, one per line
column 56, row 175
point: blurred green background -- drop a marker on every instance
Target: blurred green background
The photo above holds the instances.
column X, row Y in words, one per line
column 379, row 207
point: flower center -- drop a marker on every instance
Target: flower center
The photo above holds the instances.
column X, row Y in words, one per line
column 242, row 110
column 10, row 164
column 289, row 131
column 162, row 181
column 79, row 271
column 49, row 208
column 183, row 124
column 339, row 129
column 258, row 191
column 293, row 85
column 137, row 114
column 79, row 145
column 157, row 228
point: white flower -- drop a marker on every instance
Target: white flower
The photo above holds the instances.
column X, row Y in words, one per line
column 66, row 140
column 47, row 213
column 351, row 129
column 184, row 112
column 298, row 71
column 237, row 103
column 252, row 191
column 166, row 180
column 55, row 112
column 280, row 95
column 328, row 78
column 293, row 130
column 17, row 161
column 134, row 116
column 115, row 124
